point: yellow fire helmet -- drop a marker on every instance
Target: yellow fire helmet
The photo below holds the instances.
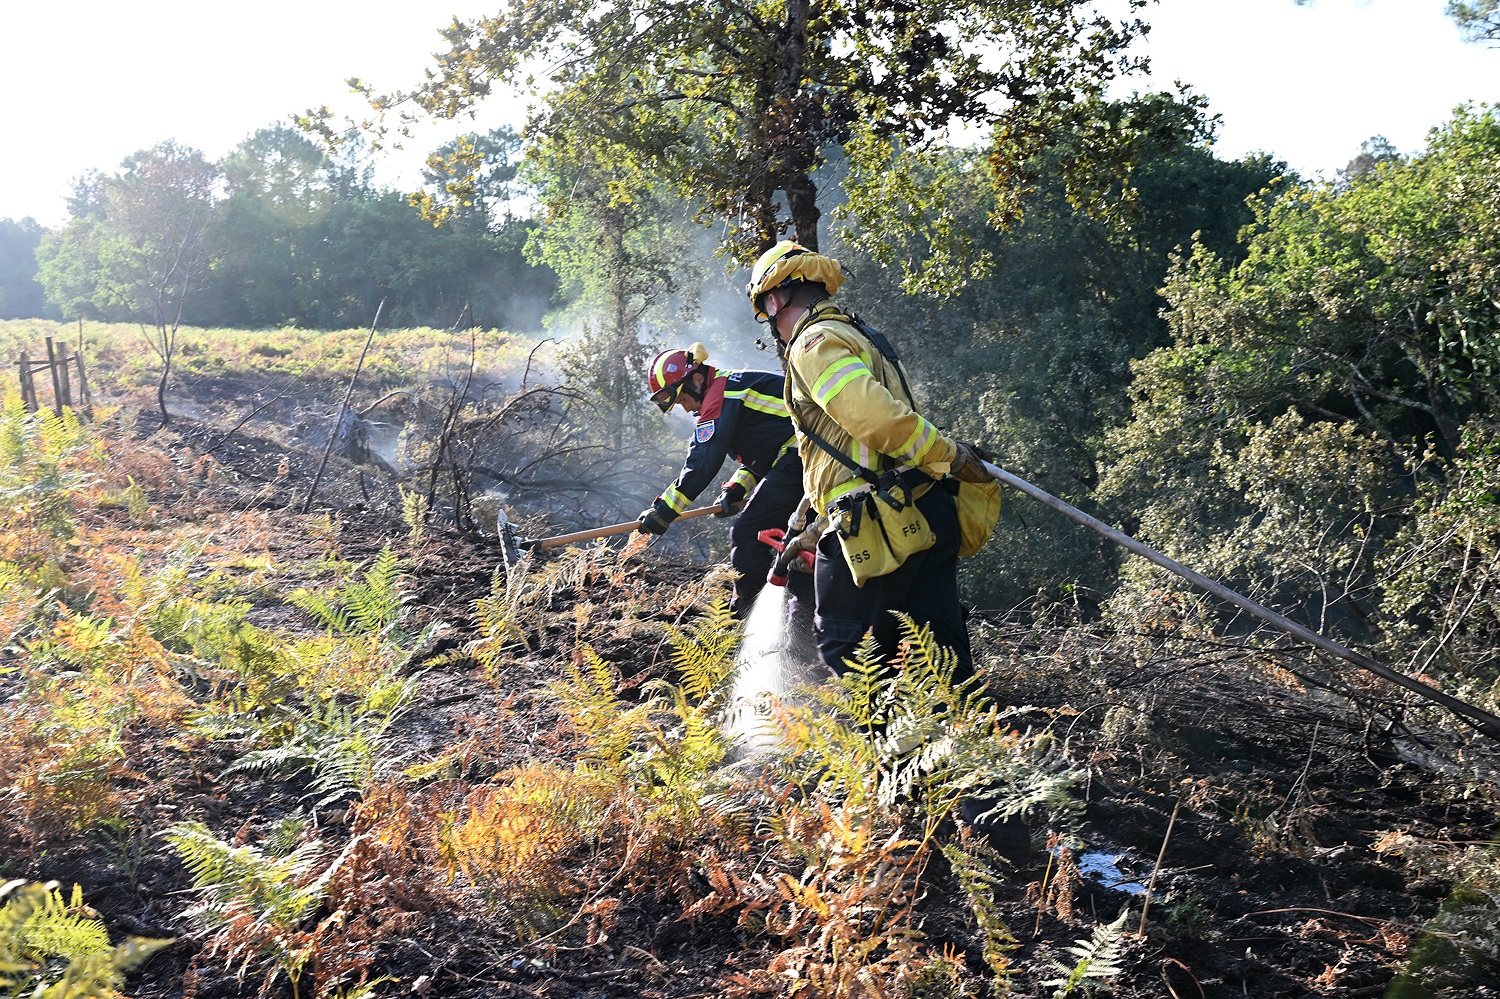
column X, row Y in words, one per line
column 789, row 262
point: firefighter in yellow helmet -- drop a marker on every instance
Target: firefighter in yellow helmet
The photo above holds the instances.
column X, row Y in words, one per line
column 740, row 415
column 868, row 457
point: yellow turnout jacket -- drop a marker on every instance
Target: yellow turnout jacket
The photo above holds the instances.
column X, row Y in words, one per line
column 842, row 388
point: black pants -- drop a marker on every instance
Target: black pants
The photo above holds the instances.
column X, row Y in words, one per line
column 925, row 587
column 771, row 504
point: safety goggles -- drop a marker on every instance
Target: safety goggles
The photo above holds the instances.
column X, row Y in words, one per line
column 667, row 397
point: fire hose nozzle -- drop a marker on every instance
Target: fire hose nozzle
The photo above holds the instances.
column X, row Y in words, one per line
column 776, row 538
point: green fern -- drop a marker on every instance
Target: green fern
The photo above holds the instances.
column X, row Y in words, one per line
column 674, row 770
column 57, row 949
column 704, row 654
column 37, row 484
column 496, row 620
column 281, row 891
column 1098, row 957
column 414, row 513
column 980, row 874
column 587, row 698
column 259, row 910
column 664, row 750
column 258, row 672
column 372, row 606
column 342, row 744
column 866, row 691
column 926, row 739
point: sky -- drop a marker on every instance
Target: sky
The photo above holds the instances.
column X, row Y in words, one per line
column 88, row 82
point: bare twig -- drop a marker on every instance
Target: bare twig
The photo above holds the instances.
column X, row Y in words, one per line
column 343, row 408
column 1151, row 885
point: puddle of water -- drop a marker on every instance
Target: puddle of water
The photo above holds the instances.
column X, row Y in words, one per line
column 1105, row 869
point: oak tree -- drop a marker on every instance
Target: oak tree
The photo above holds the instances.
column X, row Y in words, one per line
column 740, row 104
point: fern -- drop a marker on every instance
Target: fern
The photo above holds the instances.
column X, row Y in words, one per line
column 373, row 606
column 704, row 655
column 588, row 700
column 259, row 910
column 1098, row 957
column 1467, row 928
column 979, row 870
column 414, row 513
column 496, row 620
column 516, row 835
column 58, row 949
column 341, row 744
column 282, row 891
column 37, row 482
column 865, row 693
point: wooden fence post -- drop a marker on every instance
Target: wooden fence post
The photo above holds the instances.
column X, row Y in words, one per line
column 65, row 382
column 84, row 395
column 57, row 396
column 28, row 385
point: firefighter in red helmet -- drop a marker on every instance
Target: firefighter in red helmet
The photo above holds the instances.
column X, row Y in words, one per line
column 740, row 414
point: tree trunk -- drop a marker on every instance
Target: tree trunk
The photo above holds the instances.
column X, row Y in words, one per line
column 797, row 160
column 802, row 202
column 161, row 393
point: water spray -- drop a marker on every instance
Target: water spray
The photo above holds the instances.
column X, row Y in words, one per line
column 763, row 670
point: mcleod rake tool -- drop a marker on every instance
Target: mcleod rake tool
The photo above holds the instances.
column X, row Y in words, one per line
column 1482, row 720
column 604, row 532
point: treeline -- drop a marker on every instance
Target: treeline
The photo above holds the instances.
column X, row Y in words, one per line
column 278, row 233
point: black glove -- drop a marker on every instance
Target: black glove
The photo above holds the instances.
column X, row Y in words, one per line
column 731, row 500
column 652, row 522
column 968, row 463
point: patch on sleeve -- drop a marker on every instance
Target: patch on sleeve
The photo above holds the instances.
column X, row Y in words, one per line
column 810, row 344
column 704, row 432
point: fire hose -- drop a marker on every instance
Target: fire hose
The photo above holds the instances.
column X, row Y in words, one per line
column 1482, row 720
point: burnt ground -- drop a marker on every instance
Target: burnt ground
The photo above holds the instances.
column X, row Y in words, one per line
column 1249, row 799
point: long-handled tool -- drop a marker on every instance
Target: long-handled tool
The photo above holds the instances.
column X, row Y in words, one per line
column 604, row 532
column 1482, row 720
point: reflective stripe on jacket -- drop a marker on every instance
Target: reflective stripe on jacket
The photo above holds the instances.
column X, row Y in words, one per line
column 844, row 390
column 743, row 416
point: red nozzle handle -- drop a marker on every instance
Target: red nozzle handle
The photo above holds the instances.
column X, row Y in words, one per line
column 776, row 538
column 773, row 536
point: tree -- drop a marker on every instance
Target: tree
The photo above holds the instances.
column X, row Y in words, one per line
column 21, row 296
column 1035, row 363
column 279, row 192
column 1372, row 152
column 473, row 188
column 476, row 176
column 737, row 105
column 1276, row 439
column 1479, row 20
column 623, row 261
column 140, row 246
